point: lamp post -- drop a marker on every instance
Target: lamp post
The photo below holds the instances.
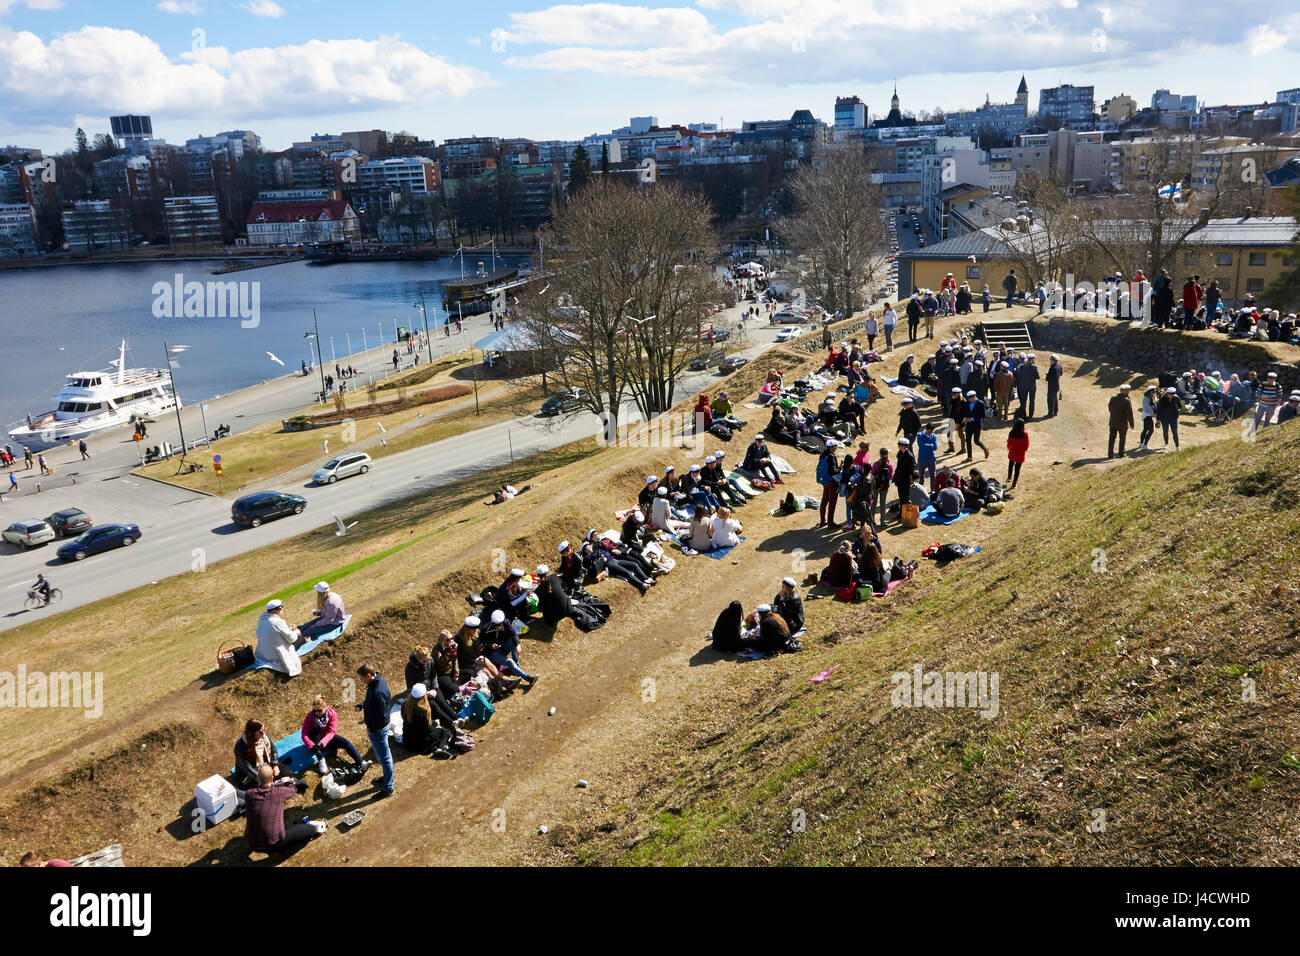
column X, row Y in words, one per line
column 424, row 315
column 171, row 377
column 320, row 362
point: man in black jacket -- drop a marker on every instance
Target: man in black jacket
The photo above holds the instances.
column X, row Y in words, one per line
column 375, row 709
column 914, row 317
column 1054, row 372
column 909, row 423
column 1026, row 376
column 789, row 605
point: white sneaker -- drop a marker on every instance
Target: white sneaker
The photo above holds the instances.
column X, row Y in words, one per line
column 321, row 766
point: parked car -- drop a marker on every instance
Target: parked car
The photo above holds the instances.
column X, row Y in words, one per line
column 719, row 335
column 565, row 400
column 789, row 333
column 707, row 359
column 104, row 538
column 785, row 317
column 69, row 522
column 730, row 364
column 29, row 532
column 344, row 466
column 252, row 510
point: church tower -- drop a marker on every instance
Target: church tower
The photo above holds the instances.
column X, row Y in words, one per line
column 1022, row 95
column 893, row 100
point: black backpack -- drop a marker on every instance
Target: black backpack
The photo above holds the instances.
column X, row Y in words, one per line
column 720, row 430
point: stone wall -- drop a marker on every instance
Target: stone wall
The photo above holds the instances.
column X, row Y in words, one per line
column 1159, row 350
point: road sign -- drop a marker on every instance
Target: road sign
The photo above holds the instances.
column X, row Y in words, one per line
column 216, row 459
column 137, row 437
column 204, row 406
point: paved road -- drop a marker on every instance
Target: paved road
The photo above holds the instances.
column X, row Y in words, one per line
column 180, row 527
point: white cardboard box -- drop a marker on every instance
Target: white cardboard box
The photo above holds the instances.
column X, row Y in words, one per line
column 217, row 799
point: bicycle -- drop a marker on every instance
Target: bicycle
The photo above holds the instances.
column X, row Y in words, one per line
column 35, row 602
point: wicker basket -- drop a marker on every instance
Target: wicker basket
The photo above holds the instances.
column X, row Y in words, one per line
column 226, row 656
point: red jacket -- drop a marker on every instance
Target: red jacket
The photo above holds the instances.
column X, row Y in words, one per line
column 1016, row 448
column 1191, row 296
column 310, row 728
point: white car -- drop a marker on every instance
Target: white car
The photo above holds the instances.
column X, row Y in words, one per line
column 29, row 533
column 789, row 333
column 343, row 466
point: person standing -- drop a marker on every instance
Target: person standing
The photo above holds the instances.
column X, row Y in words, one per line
column 1017, row 447
column 888, row 321
column 1054, row 372
column 1003, row 380
column 904, row 468
column 973, row 421
column 375, row 709
column 1121, row 420
column 872, row 330
column 909, row 424
column 1167, row 410
column 85, row 453
column 1010, row 283
column 1026, row 387
column 826, row 334
column 986, row 298
column 882, row 476
column 1149, row 398
column 1270, row 397
column 1041, row 295
column 913, row 316
column 828, row 476
column 927, row 450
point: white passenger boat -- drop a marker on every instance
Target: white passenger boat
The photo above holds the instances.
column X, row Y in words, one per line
column 93, row 402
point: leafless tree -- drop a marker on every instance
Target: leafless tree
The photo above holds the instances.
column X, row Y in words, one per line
column 838, row 225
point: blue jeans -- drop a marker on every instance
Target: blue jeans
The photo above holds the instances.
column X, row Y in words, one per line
column 927, row 468
column 508, row 665
column 384, row 756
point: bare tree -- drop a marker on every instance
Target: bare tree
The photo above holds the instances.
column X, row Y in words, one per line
column 628, row 282
column 838, row 224
column 1043, row 242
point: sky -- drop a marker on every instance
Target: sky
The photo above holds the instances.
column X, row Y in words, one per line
column 445, row 68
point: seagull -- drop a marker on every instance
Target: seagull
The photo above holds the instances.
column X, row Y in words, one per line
column 381, row 426
column 342, row 528
column 325, row 446
column 972, row 258
column 419, row 414
column 275, row 358
column 384, row 442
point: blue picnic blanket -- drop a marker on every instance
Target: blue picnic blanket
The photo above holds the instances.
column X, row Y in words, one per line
column 718, row 552
column 930, row 516
column 308, row 646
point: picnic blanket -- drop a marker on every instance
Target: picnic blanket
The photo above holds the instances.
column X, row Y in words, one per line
column 889, row 588
column 718, row 552
column 310, row 645
column 930, row 516
column 757, row 655
column 742, row 479
column 919, row 400
column 783, row 467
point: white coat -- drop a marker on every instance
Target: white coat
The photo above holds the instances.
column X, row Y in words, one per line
column 275, row 644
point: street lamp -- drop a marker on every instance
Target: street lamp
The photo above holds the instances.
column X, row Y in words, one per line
column 320, row 362
column 424, row 315
column 171, row 376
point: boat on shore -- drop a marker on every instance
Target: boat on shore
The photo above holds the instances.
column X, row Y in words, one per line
column 473, row 294
column 93, row 402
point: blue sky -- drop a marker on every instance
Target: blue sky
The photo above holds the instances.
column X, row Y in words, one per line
column 288, row 68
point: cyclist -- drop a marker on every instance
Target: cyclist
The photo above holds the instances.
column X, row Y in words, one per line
column 42, row 587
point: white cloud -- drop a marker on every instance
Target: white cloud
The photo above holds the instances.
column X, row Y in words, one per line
column 264, row 8
column 112, row 70
column 607, row 25
column 191, row 7
column 32, row 4
column 474, row 41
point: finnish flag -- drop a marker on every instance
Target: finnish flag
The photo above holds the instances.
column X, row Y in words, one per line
column 1172, row 191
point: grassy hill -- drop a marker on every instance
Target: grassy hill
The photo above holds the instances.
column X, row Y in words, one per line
column 1130, row 619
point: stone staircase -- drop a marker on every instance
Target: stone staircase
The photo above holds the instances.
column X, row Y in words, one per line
column 1014, row 335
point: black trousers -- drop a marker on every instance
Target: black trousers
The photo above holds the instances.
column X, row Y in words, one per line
column 1122, row 434
column 1148, row 429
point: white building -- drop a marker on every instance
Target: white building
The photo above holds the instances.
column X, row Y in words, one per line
column 291, row 223
column 95, row 224
column 191, row 219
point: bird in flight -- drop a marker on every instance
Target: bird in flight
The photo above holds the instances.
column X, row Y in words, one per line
column 325, row 446
column 342, row 528
column 275, row 358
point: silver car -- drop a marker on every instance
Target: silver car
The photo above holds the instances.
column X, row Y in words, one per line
column 30, row 532
column 344, row 466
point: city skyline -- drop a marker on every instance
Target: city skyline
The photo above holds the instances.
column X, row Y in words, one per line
column 282, row 70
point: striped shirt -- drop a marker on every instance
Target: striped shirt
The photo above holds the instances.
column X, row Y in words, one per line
column 1270, row 393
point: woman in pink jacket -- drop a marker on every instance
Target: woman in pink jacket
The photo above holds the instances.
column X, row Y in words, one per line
column 320, row 735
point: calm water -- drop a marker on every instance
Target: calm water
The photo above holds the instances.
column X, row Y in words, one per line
column 70, row 318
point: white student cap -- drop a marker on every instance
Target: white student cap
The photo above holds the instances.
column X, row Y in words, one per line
column 789, row 581
column 543, row 569
column 498, row 616
column 471, row 622
column 763, row 608
column 274, row 604
column 321, row 587
column 562, row 547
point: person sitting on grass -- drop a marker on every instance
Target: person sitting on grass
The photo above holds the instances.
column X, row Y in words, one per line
column 277, row 641
column 321, row 737
column 501, row 647
column 842, row 570
column 739, row 496
column 254, row 750
column 773, row 635
column 728, row 634
column 949, row 502
column 872, row 571
column 697, row 490
column 428, row 724
column 329, row 612
column 724, row 530
column 661, row 516
column 700, row 538
column 715, row 480
column 264, row 826
column 917, row 493
column 976, row 490
column 702, row 415
column 758, row 461
column 789, row 605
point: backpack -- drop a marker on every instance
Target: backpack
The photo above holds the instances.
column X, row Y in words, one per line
column 762, row 484
column 463, row 743
column 720, row 430
column 480, row 708
column 951, row 552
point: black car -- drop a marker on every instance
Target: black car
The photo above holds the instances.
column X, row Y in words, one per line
column 69, row 522
column 729, row 365
column 707, row 360
column 252, row 510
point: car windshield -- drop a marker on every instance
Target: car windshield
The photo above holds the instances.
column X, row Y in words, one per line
column 332, row 463
column 85, row 536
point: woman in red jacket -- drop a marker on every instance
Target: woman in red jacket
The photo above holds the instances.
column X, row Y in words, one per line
column 320, row 736
column 1017, row 445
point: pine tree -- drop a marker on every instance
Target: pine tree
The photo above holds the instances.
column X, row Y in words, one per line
column 604, row 162
column 84, row 160
column 579, row 170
